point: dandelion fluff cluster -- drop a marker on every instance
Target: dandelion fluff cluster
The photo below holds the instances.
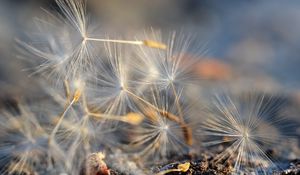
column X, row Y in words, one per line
column 123, row 98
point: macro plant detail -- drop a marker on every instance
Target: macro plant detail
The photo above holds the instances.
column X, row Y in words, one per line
column 248, row 125
column 138, row 103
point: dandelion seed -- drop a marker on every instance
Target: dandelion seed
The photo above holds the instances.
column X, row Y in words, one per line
column 109, row 89
column 76, row 96
column 154, row 44
column 158, row 136
column 24, row 143
column 170, row 66
column 131, row 118
column 241, row 123
column 78, row 127
column 82, row 135
column 169, row 69
column 75, row 11
column 184, row 167
column 66, row 46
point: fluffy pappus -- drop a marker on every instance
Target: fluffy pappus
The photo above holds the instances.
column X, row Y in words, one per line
column 57, row 42
column 247, row 126
column 163, row 133
column 25, row 144
column 172, row 67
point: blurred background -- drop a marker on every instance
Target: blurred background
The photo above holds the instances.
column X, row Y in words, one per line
column 250, row 43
